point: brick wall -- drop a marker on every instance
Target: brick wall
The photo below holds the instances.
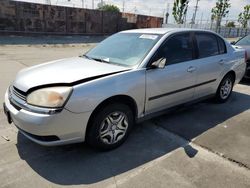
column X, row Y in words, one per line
column 29, row 17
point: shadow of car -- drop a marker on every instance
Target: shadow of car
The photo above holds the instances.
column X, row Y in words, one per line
column 78, row 164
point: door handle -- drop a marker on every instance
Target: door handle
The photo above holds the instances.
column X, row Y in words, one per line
column 191, row 69
column 221, row 62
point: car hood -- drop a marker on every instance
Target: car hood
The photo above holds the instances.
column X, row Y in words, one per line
column 65, row 71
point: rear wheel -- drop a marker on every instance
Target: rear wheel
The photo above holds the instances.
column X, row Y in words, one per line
column 225, row 88
column 110, row 127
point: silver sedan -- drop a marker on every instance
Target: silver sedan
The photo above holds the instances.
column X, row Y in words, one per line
column 130, row 76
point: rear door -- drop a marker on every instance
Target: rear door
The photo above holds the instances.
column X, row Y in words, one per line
column 173, row 84
column 211, row 56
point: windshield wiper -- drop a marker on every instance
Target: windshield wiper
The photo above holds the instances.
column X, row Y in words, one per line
column 87, row 57
column 102, row 60
column 96, row 59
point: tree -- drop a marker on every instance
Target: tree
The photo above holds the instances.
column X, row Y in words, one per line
column 180, row 10
column 109, row 8
column 220, row 11
column 244, row 16
column 230, row 24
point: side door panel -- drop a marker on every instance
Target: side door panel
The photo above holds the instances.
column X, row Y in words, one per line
column 208, row 71
column 173, row 84
column 169, row 86
column 210, row 64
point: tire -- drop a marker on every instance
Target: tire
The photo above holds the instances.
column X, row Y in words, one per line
column 110, row 127
column 225, row 88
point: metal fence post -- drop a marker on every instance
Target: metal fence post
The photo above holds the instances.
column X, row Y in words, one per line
column 102, row 22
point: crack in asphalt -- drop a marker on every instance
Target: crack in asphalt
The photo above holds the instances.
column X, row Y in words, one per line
column 221, row 155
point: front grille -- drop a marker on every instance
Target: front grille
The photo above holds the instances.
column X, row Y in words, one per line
column 18, row 93
column 15, row 105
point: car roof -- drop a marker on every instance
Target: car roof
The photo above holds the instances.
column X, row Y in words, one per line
column 161, row 31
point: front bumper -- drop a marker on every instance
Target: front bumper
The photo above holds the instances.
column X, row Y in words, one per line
column 49, row 129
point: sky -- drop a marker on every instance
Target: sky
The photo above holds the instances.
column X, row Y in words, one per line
column 156, row 7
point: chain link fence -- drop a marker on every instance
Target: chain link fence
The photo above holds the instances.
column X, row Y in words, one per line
column 227, row 32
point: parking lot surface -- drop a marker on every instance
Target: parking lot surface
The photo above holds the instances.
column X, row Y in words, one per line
column 202, row 145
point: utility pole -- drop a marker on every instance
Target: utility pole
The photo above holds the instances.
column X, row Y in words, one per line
column 195, row 12
column 93, row 4
column 48, row 2
column 135, row 10
column 167, row 13
column 82, row 3
column 101, row 4
column 123, row 5
column 185, row 17
column 201, row 18
column 227, row 19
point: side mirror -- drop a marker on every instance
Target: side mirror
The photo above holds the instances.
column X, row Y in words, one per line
column 233, row 42
column 160, row 63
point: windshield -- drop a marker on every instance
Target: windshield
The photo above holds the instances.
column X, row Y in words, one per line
column 126, row 49
column 244, row 41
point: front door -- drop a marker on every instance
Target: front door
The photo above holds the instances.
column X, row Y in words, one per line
column 173, row 84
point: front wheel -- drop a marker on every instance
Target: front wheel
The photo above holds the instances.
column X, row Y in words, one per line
column 110, row 127
column 225, row 88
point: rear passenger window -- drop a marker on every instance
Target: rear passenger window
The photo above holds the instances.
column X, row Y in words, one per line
column 222, row 46
column 176, row 49
column 207, row 45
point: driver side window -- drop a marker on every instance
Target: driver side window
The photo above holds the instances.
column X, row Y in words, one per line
column 176, row 49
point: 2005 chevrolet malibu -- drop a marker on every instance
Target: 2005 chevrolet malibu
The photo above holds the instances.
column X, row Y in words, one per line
column 129, row 76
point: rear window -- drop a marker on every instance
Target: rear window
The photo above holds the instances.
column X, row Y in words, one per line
column 222, row 46
column 207, row 45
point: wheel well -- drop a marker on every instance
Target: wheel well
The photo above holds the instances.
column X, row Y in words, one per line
column 124, row 99
column 231, row 73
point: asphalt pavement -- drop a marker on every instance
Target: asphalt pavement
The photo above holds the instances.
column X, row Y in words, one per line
column 202, row 145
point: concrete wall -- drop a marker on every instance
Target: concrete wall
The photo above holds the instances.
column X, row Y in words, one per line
column 30, row 17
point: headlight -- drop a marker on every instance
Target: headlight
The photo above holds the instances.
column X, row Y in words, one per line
column 49, row 97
